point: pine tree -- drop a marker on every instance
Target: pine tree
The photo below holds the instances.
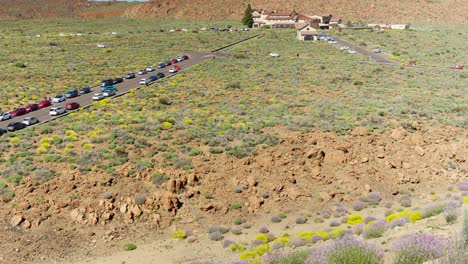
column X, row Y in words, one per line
column 247, row 20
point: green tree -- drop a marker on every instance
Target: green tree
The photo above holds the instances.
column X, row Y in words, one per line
column 248, row 19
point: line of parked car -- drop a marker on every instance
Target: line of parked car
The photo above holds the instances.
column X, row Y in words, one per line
column 108, row 89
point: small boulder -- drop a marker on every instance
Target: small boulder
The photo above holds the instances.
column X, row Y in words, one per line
column 16, row 220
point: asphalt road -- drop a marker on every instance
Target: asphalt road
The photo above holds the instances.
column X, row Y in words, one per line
column 122, row 88
column 377, row 57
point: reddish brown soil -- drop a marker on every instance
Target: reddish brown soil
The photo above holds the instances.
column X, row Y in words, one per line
column 304, row 171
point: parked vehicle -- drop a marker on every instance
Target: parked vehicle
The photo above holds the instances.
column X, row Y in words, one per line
column 150, row 68
column 351, row 51
column 15, row 126
column 30, row 121
column 107, row 82
column 458, row 67
column 142, row 81
column 130, row 75
column 59, row 98
column 72, row 105
column 71, row 93
column 174, row 69
column 179, row 58
column 142, row 71
column 332, row 41
column 85, row 90
column 44, row 103
column 5, row 116
column 107, row 88
column 117, row 80
column 32, row 107
column 18, row 111
column 168, row 63
column 160, row 75
column 344, row 48
column 274, row 54
column 98, row 96
column 54, row 111
column 185, row 57
column 3, row 131
column 376, row 51
column 100, row 45
column 174, row 61
column 108, row 93
column 161, row 65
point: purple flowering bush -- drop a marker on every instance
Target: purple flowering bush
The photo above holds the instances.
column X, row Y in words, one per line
column 347, row 250
column 375, row 229
column 374, row 198
column 282, row 258
column 398, row 222
column 358, row 206
column 463, row 186
column 455, row 252
column 417, row 249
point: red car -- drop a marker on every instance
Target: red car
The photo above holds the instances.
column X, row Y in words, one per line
column 185, row 57
column 458, row 67
column 18, row 111
column 174, row 61
column 72, row 106
column 174, row 69
column 44, row 103
column 32, row 107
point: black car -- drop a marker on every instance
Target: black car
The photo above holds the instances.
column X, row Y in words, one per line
column 117, row 80
column 160, row 75
column 2, row 131
column 107, row 82
column 15, row 126
column 85, row 90
column 130, row 75
column 152, row 78
column 161, row 65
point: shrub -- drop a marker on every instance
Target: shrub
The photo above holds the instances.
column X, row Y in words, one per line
column 281, row 258
column 129, row 247
column 374, row 198
column 326, row 214
column 412, row 216
column 166, row 125
column 246, row 225
column 248, row 255
column 264, row 230
column 316, row 239
column 374, row 229
column 369, row 219
column 236, row 230
column 256, row 243
column 358, row 206
column 417, row 249
column 398, row 222
column 463, row 186
column 20, row 65
column 358, row 229
column 14, row 140
column 355, row 219
column 283, row 240
column 432, row 210
column 347, row 250
column 275, row 219
column 237, row 247
column 405, row 202
column 318, row 219
column 262, row 237
column 339, row 232
column 301, row 220
column 298, row 242
column 465, row 221
column 179, row 234
column 282, row 215
column 236, row 206
column 261, row 250
column 335, row 223
column 228, row 243
column 306, row 235
column 216, row 236
column 140, row 199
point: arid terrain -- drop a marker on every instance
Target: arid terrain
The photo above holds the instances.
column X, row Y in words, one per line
column 243, row 155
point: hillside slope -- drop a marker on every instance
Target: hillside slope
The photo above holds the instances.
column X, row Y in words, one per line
column 417, row 11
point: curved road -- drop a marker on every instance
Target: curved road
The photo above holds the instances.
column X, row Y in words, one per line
column 86, row 100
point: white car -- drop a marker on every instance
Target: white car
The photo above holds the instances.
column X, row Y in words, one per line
column 4, row 116
column 173, row 70
column 179, row 58
column 108, row 93
column 142, row 71
column 351, row 51
column 344, row 48
column 98, row 96
column 376, row 51
column 54, row 111
column 30, row 121
column 332, row 41
column 150, row 68
column 142, row 81
column 100, row 45
column 273, row 54
column 58, row 99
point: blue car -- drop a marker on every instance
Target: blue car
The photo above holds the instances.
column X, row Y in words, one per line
column 161, row 65
column 109, row 88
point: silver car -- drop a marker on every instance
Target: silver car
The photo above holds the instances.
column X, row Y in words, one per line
column 30, row 121
column 4, row 116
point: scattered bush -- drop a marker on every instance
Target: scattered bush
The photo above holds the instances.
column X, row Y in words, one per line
column 417, row 249
column 358, row 206
column 180, row 234
column 347, row 250
column 298, row 242
column 374, row 198
column 227, row 243
column 264, row 230
column 282, row 215
column 463, row 186
column 398, row 222
column 262, row 237
column 140, row 199
column 355, row 219
column 301, row 220
column 236, row 230
column 432, row 210
column 216, row 236
column 223, row 229
column 374, row 229
column 335, row 223
column 275, row 219
column 236, row 206
column 129, row 247
column 318, row 219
